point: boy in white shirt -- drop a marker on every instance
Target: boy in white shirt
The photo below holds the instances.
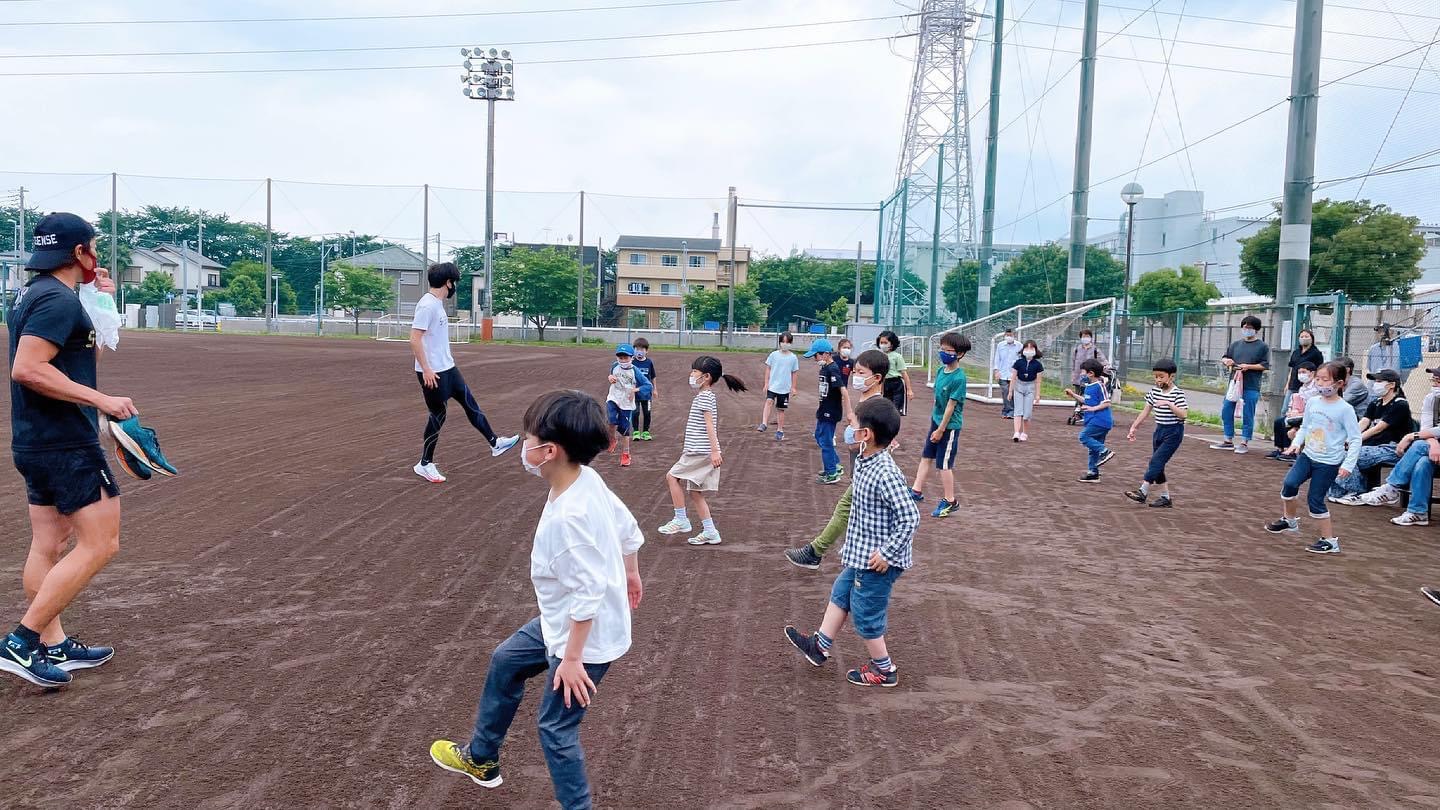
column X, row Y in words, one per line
column 782, row 371
column 586, row 579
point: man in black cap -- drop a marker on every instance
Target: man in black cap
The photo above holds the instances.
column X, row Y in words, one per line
column 56, row 444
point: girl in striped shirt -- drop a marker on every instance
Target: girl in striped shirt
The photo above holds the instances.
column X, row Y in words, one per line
column 699, row 464
column 1166, row 402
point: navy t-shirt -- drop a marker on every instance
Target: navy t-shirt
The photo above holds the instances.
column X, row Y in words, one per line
column 47, row 309
column 648, row 366
column 1027, row 370
column 832, row 383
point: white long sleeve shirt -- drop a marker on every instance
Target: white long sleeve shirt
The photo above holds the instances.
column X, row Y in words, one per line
column 577, row 565
column 1005, row 356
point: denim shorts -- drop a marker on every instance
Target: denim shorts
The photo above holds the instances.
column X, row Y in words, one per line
column 1321, row 478
column 68, row 480
column 619, row 417
column 865, row 595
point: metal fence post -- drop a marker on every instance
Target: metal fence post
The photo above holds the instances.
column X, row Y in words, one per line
column 1179, row 335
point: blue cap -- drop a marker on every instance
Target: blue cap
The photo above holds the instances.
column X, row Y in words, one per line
column 820, row 345
column 625, row 348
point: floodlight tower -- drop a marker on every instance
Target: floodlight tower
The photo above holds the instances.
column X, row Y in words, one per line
column 489, row 76
column 938, row 200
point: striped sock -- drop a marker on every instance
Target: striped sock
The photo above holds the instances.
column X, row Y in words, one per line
column 708, row 524
column 883, row 664
column 823, row 640
column 680, row 514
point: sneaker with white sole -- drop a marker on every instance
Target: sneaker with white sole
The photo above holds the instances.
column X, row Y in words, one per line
column 708, row 537
column 675, row 526
column 429, row 473
column 1324, row 546
column 1225, row 445
column 1411, row 519
column 1433, row 594
column 503, row 444
column 1283, row 525
column 1383, row 495
column 1348, row 499
column 1241, row 449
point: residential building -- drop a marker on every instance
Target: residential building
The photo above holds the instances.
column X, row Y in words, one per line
column 184, row 266
column 12, row 274
column 1430, row 262
column 650, row 278
column 406, row 270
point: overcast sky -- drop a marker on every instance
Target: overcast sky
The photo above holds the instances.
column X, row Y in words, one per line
column 818, row 123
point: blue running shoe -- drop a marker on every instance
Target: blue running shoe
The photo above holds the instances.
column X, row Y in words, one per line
column 943, row 509
column 30, row 663
column 142, row 443
column 917, row 497
column 72, row 654
column 130, row 464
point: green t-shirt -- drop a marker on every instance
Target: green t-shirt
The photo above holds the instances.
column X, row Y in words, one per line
column 949, row 385
column 897, row 365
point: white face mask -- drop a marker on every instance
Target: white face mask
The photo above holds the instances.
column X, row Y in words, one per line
column 858, row 383
column 785, row 347
column 1380, row 388
column 1304, row 377
column 640, row 353
column 533, row 469
column 1029, row 354
column 625, row 364
column 694, row 382
column 845, row 352
column 1086, row 341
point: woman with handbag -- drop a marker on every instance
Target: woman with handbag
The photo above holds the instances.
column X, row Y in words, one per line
column 1247, row 359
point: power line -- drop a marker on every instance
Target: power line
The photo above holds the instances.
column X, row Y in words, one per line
column 1237, row 21
column 368, row 17
column 1413, row 77
column 528, row 62
column 376, row 48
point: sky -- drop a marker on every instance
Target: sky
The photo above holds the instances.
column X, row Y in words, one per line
column 656, row 142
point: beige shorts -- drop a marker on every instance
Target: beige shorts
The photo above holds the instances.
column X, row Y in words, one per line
column 697, row 472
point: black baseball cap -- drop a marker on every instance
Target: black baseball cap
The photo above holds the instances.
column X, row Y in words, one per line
column 1434, row 372
column 56, row 236
column 1385, row 375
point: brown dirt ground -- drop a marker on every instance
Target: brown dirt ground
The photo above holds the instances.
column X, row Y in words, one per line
column 298, row 616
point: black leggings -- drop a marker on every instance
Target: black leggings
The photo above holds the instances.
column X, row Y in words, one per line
column 894, row 390
column 642, row 420
column 449, row 385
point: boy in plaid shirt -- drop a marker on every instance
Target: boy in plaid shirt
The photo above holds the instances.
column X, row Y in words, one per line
column 883, row 519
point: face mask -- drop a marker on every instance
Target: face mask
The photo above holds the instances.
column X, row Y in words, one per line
column 533, row 469
column 1326, row 390
column 885, row 347
column 1247, row 333
column 625, row 364
column 785, row 347
column 946, row 358
column 640, row 353
column 1380, row 388
column 694, row 382
column 1086, row 341
column 845, row 352
column 1009, row 340
column 849, row 435
column 1029, row 354
column 88, row 273
column 1305, row 378
column 1163, row 385
column 863, row 444
column 451, row 293
column 1304, row 341
column 858, row 383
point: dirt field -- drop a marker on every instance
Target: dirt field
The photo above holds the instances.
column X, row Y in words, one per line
column 299, row 615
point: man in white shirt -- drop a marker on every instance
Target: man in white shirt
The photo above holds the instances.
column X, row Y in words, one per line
column 1006, row 353
column 587, row 580
column 440, row 380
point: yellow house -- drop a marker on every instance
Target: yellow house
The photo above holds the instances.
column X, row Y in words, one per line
column 652, row 273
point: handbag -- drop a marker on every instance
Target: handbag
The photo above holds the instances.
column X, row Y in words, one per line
column 1235, row 391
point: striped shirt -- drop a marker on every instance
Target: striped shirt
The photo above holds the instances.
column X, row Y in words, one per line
column 883, row 516
column 1163, row 403
column 697, row 438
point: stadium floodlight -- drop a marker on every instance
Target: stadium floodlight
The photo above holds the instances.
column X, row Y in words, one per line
column 489, row 76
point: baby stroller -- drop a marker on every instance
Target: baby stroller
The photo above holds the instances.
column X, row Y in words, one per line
column 1108, row 380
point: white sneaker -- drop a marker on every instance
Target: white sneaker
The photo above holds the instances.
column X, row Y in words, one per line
column 1024, row 437
column 501, row 445
column 1241, row 449
column 1383, row 495
column 709, row 537
column 1411, row 519
column 429, row 473
column 1349, row 499
column 675, row 526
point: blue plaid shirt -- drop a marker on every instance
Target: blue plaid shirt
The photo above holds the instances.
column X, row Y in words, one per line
column 883, row 516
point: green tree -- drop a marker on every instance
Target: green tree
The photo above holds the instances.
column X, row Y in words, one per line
column 1164, row 291
column 539, row 286
column 959, row 289
column 800, row 286
column 1038, row 276
column 703, row 305
column 245, row 295
column 256, row 272
column 357, row 290
column 835, row 315
column 1364, row 250
column 155, row 288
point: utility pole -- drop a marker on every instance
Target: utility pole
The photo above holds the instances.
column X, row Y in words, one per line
column 733, row 209
column 992, row 149
column 270, row 295
column 1294, row 266
column 1080, row 205
column 115, row 241
column 859, row 256
column 684, row 288
column 580, row 277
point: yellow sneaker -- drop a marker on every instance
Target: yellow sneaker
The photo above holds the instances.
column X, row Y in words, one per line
column 454, row 757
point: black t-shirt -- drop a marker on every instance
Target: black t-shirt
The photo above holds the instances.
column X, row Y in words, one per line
column 1397, row 420
column 1027, row 370
column 846, row 365
column 1312, row 355
column 832, row 383
column 47, row 309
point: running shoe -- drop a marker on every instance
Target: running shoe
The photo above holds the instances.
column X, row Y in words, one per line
column 1241, row 449
column 675, row 526
column 1015, row 438
column 833, row 478
column 1105, row 456
column 624, row 459
column 779, row 435
column 1091, row 477
column 453, row 757
column 1283, row 525
column 142, row 443
column 760, row 428
column 72, row 654
column 1433, row 594
column 803, row 557
column 1348, row 499
column 1274, row 455
column 1323, row 546
column 1162, row 502
column 809, row 646
column 708, row 537
column 430, row 473
column 1225, row 445
column 130, row 464
column 1024, row 437
column 643, row 436
column 1411, row 519
column 943, row 509
column 501, row 445
column 30, row 663
column 1137, row 496
column 1383, row 495
column 868, row 675
column 916, row 495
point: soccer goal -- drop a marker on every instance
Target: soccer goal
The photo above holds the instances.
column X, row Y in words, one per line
column 1055, row 328
column 397, row 328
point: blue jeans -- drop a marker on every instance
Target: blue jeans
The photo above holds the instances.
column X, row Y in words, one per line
column 1093, row 437
column 1167, row 440
column 1247, row 427
column 1417, row 471
column 1007, row 401
column 1369, row 457
column 865, row 595
column 1321, row 478
column 517, row 660
column 825, row 437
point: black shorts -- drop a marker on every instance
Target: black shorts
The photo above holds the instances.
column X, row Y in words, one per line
column 782, row 401
column 68, row 480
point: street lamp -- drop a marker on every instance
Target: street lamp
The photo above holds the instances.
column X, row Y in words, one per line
column 275, row 279
column 325, row 250
column 490, row 77
column 1131, row 194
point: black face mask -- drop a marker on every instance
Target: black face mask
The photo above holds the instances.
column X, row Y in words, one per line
column 451, row 293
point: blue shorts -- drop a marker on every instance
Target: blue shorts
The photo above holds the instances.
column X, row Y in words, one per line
column 943, row 451
column 619, row 417
column 865, row 595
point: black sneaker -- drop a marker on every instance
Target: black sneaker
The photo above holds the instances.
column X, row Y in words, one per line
column 30, row 663
column 1283, row 525
column 809, row 646
column 1162, row 503
column 1433, row 594
column 1323, row 546
column 868, row 675
column 1137, row 496
column 1105, row 456
column 1091, row 477
column 803, row 557
column 72, row 654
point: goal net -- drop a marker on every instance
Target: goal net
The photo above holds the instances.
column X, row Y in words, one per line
column 1055, row 328
column 397, row 327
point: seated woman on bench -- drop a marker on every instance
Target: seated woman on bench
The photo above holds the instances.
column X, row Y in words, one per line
column 1386, row 423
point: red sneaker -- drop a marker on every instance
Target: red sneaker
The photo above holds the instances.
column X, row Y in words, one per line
column 624, row 459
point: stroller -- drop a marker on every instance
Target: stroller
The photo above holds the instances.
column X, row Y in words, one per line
column 1109, row 380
